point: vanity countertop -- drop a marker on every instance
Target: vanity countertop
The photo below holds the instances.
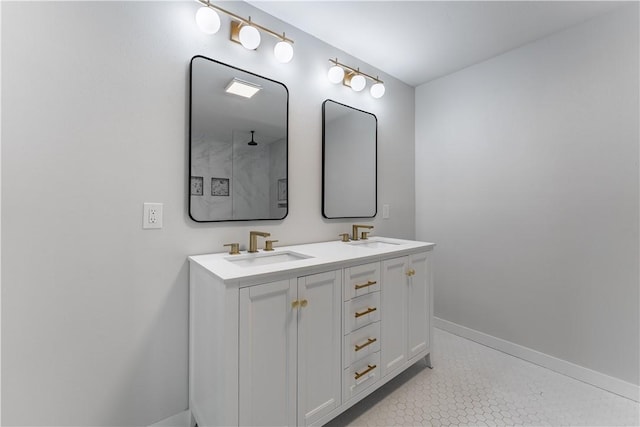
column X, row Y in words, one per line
column 305, row 258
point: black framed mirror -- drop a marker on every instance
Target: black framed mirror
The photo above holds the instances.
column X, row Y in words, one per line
column 238, row 144
column 349, row 161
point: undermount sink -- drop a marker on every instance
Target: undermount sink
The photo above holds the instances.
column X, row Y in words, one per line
column 255, row 260
column 373, row 244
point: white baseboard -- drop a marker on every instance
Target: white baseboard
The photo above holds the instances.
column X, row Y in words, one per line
column 614, row 385
column 182, row 419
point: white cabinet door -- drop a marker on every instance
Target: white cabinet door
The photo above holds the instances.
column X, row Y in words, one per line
column 393, row 322
column 418, row 304
column 267, row 359
column 319, row 345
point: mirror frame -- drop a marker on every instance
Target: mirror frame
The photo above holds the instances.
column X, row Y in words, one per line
column 190, row 142
column 324, row 161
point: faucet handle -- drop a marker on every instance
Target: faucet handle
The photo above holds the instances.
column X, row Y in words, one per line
column 345, row 237
column 234, row 248
column 268, row 245
column 365, row 235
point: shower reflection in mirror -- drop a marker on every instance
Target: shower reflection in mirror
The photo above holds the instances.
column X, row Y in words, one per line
column 238, row 144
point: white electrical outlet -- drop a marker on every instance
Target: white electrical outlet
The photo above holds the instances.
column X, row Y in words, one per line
column 152, row 215
column 385, row 211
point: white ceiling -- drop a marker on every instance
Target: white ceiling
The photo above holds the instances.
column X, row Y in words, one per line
column 418, row 41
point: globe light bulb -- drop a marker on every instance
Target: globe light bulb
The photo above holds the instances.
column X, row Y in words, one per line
column 377, row 90
column 283, row 52
column 207, row 20
column 335, row 74
column 358, row 82
column 249, row 37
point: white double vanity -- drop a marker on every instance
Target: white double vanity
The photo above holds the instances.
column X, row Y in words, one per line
column 297, row 335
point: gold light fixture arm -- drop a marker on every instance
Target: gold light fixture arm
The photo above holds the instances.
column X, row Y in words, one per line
column 354, row 70
column 245, row 21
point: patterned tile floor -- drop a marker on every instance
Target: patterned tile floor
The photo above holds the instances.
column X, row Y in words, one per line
column 474, row 385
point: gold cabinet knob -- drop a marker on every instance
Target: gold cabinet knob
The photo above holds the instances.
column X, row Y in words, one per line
column 411, row 272
column 299, row 303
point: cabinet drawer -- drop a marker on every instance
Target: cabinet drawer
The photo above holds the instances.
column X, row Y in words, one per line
column 361, row 343
column 361, row 375
column 361, row 280
column 361, row 311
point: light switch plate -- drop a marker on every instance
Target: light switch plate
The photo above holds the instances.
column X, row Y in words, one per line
column 152, row 215
column 385, row 211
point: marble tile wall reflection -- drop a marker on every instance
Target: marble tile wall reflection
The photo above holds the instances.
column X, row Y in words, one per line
column 251, row 181
column 278, row 171
column 211, row 159
column 253, row 173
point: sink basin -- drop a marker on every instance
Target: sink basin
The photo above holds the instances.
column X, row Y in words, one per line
column 255, row 260
column 374, row 244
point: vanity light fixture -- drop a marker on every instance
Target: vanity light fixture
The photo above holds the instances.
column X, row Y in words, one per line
column 242, row 88
column 283, row 51
column 336, row 74
column 354, row 78
column 357, row 82
column 377, row 90
column 208, row 20
column 243, row 31
column 247, row 35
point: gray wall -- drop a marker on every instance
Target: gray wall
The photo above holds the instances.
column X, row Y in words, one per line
column 527, row 178
column 95, row 116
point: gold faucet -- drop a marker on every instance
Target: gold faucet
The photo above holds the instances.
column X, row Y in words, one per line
column 355, row 230
column 253, row 240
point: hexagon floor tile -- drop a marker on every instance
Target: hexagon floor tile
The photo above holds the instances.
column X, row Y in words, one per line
column 474, row 385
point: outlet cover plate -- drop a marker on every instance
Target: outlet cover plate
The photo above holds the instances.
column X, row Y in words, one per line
column 152, row 215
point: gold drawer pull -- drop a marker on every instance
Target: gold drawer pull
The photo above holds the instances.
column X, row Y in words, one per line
column 364, row 285
column 366, row 371
column 369, row 342
column 411, row 272
column 369, row 310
